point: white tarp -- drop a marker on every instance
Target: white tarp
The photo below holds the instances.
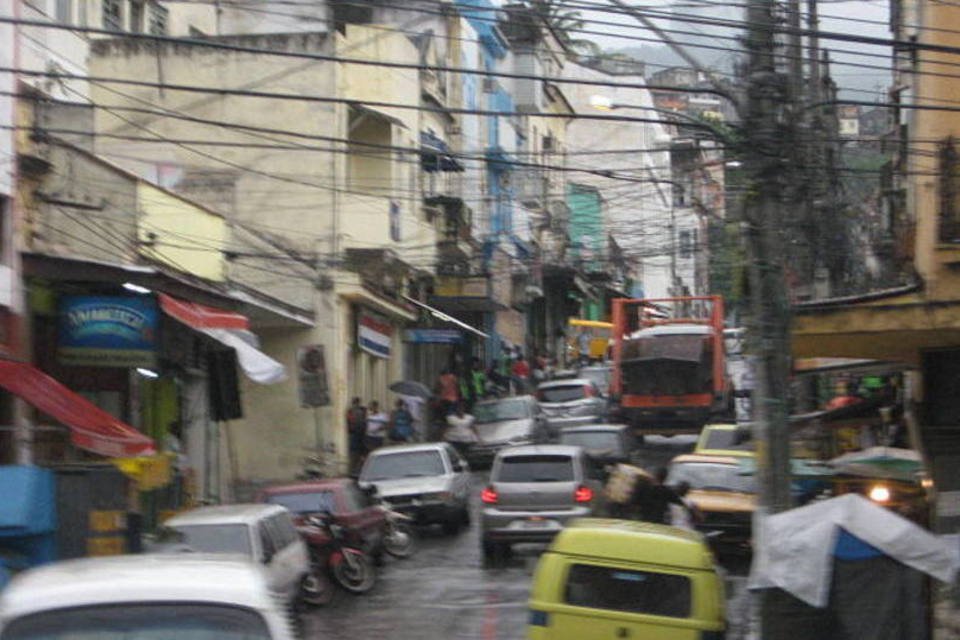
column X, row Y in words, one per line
column 797, row 555
column 257, row 365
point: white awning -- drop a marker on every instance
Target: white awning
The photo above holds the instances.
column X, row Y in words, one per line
column 440, row 315
column 257, row 365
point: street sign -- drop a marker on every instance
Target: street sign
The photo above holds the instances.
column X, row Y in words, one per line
column 312, row 372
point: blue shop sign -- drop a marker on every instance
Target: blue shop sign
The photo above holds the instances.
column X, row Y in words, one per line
column 107, row 331
column 433, row 336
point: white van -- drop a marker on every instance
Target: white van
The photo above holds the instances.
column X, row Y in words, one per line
column 143, row 596
column 265, row 533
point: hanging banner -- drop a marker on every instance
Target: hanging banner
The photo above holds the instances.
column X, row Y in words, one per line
column 107, row 331
column 312, row 368
column 373, row 334
column 433, row 336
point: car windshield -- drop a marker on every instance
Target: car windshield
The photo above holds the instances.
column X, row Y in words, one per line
column 710, row 476
column 306, row 502
column 501, row 411
column 564, row 393
column 596, row 440
column 126, row 621
column 600, row 377
column 210, row 538
column 412, row 464
column 536, row 468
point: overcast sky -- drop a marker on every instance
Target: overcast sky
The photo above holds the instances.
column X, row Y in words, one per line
column 850, row 16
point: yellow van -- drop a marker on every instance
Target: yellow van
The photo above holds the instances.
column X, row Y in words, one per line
column 624, row 579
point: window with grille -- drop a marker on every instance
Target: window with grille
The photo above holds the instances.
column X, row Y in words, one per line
column 65, row 11
column 158, row 20
column 136, row 17
column 949, row 192
column 113, row 15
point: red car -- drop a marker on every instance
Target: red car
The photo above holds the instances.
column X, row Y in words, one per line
column 363, row 522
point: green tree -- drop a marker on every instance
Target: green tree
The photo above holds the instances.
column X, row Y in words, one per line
column 566, row 24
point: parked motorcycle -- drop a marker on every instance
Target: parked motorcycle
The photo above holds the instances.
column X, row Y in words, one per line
column 399, row 537
column 333, row 560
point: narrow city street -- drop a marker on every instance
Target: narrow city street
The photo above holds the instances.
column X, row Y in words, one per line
column 443, row 591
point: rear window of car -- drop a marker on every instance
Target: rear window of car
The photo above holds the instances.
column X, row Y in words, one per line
column 212, row 538
column 414, row 464
column 727, row 439
column 607, row 440
column 132, row 621
column 536, row 468
column 565, row 393
column 615, row 589
column 306, row 502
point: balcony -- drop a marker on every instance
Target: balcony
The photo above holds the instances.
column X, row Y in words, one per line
column 455, row 242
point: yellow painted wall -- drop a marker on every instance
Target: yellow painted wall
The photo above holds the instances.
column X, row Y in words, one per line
column 183, row 235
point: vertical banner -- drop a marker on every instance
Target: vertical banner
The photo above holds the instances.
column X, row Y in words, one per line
column 312, row 372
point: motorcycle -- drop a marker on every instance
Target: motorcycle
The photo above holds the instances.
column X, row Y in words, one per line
column 333, row 561
column 399, row 537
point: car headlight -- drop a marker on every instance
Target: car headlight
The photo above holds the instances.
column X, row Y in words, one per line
column 441, row 496
column 880, row 494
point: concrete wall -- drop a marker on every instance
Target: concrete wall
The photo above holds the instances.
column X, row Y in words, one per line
column 638, row 214
column 181, row 234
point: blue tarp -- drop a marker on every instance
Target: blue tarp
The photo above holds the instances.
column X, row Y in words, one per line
column 28, row 506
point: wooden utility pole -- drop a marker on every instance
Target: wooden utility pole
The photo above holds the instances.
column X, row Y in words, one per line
column 768, row 326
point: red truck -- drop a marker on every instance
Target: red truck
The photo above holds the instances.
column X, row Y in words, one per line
column 669, row 373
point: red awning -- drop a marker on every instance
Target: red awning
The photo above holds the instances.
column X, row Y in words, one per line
column 91, row 428
column 201, row 316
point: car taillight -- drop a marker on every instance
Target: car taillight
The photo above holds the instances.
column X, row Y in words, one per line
column 583, row 494
column 588, row 392
column 489, row 495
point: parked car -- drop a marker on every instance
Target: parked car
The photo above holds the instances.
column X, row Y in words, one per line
column 506, row 422
column 264, row 533
column 604, row 444
column 428, row 481
column 599, row 375
column 624, row 579
column 533, row 492
column 724, row 495
column 362, row 520
column 730, row 440
column 567, row 403
column 144, row 596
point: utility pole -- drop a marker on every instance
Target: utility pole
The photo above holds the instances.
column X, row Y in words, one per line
column 768, row 326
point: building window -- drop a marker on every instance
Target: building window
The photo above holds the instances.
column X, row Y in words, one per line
column 136, row 17
column 686, row 244
column 158, row 20
column 65, row 11
column 394, row 221
column 113, row 15
column 949, row 192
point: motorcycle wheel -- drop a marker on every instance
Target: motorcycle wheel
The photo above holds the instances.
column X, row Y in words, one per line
column 355, row 573
column 316, row 589
column 400, row 541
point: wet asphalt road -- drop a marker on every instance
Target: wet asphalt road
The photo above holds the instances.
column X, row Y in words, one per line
column 443, row 592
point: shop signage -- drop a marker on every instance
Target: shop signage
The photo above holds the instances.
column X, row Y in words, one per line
column 373, row 334
column 107, row 331
column 312, row 367
column 433, row 336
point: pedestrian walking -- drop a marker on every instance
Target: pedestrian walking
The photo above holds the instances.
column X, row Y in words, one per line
column 377, row 422
column 461, row 432
column 473, row 386
column 651, row 500
column 356, row 432
column 448, row 390
column 687, row 515
column 521, row 375
column 401, row 423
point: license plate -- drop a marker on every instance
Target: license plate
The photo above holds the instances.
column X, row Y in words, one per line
column 536, row 523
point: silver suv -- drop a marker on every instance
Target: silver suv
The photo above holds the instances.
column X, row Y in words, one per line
column 571, row 402
column 533, row 492
column 429, row 482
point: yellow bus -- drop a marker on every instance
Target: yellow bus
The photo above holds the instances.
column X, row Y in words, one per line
column 600, row 335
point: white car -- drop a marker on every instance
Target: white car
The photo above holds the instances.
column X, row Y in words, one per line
column 264, row 533
column 430, row 482
column 143, row 596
